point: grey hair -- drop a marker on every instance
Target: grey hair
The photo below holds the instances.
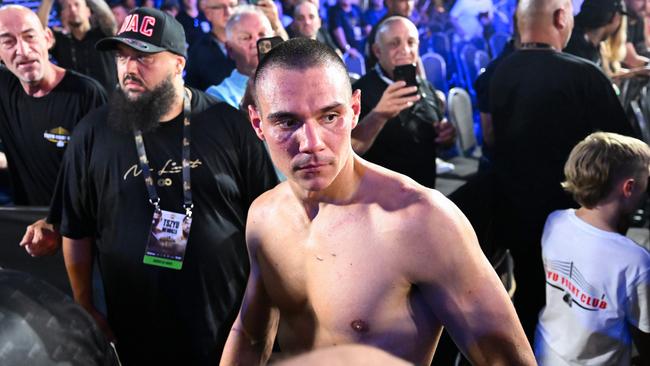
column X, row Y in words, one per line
column 239, row 12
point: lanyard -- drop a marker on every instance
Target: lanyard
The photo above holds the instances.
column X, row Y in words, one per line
column 383, row 77
column 146, row 171
column 536, row 46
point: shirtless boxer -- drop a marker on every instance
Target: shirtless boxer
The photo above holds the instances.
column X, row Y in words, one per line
column 348, row 252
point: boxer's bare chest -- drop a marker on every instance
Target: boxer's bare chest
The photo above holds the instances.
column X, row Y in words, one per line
column 340, row 278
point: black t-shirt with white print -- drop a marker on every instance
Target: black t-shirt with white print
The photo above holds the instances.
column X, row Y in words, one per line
column 161, row 315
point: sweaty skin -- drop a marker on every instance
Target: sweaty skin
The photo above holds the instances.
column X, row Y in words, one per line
column 348, row 252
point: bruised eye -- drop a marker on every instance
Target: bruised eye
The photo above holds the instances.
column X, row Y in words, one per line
column 330, row 118
column 287, row 123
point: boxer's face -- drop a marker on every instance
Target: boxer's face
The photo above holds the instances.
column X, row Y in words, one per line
column 306, row 117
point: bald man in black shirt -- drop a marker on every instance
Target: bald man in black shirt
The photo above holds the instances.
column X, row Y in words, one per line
column 40, row 104
column 542, row 102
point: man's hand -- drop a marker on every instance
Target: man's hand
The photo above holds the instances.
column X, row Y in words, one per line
column 41, row 239
column 395, row 99
column 353, row 52
column 445, row 133
column 271, row 11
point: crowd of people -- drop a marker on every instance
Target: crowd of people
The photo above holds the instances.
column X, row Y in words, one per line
column 247, row 199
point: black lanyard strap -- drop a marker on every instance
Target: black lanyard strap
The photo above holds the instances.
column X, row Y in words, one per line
column 536, row 46
column 154, row 199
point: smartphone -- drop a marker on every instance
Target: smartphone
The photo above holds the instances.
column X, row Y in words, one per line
column 407, row 73
column 264, row 45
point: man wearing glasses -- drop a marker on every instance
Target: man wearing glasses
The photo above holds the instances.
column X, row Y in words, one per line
column 208, row 62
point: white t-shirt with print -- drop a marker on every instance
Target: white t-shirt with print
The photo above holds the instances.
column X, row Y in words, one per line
column 597, row 283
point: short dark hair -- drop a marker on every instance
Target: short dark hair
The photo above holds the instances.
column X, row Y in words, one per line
column 300, row 54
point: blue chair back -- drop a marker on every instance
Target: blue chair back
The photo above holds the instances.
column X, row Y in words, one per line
column 355, row 65
column 436, row 70
column 465, row 57
column 480, row 43
column 497, row 42
column 481, row 60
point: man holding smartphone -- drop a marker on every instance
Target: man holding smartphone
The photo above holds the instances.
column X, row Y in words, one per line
column 402, row 118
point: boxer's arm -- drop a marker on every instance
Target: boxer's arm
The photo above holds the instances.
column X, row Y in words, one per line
column 463, row 290
column 251, row 337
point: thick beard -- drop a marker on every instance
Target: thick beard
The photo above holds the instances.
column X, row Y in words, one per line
column 143, row 113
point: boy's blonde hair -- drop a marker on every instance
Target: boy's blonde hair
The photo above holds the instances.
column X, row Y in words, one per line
column 600, row 161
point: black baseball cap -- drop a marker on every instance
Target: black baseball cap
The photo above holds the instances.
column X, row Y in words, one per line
column 148, row 30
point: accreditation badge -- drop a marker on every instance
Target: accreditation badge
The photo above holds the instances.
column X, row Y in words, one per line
column 167, row 239
column 358, row 33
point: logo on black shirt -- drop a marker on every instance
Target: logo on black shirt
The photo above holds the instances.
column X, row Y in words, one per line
column 59, row 136
column 170, row 167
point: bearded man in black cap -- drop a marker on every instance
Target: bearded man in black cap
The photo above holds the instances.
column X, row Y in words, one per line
column 158, row 162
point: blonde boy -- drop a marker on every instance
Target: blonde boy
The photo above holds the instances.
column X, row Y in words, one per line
column 597, row 280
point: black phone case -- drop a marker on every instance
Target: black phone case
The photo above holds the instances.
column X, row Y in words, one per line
column 406, row 73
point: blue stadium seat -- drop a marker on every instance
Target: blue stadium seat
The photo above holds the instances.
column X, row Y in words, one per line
column 356, row 65
column 497, row 42
column 435, row 68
